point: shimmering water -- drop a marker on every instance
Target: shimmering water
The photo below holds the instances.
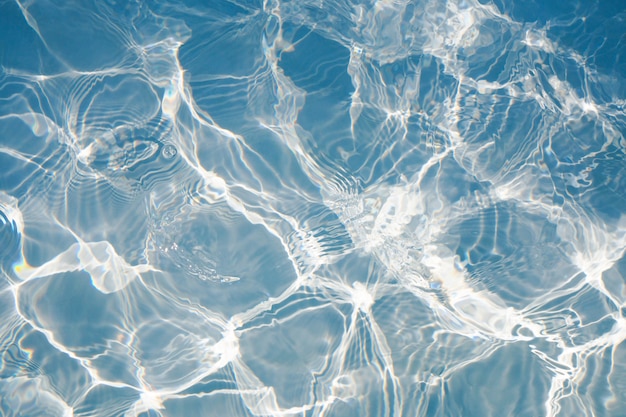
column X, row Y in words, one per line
column 312, row 208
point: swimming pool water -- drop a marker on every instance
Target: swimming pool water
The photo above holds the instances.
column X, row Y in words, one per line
column 312, row 208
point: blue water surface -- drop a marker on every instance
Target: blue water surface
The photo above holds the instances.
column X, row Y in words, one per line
column 312, row 208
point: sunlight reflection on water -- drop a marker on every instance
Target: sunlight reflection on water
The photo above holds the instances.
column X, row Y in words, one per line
column 389, row 208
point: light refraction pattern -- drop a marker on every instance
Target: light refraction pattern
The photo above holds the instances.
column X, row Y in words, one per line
column 312, row 208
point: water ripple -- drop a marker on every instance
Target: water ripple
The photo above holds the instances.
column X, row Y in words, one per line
column 338, row 208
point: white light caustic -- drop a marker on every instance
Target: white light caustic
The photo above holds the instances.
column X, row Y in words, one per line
column 295, row 208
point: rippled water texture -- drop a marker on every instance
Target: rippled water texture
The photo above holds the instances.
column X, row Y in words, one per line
column 312, row 208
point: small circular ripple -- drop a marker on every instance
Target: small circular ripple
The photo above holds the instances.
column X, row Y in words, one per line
column 169, row 151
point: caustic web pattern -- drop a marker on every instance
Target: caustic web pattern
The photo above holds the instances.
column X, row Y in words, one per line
column 312, row 208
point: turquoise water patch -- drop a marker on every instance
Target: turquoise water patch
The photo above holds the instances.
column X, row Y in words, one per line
column 304, row 208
